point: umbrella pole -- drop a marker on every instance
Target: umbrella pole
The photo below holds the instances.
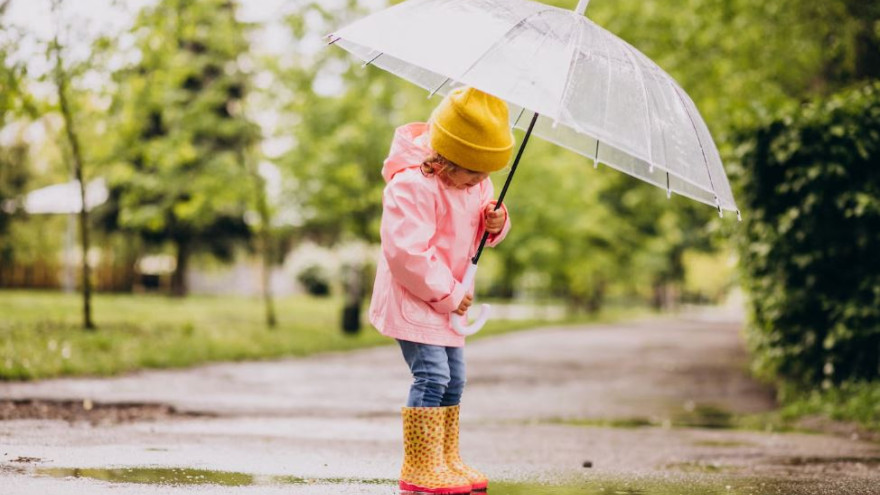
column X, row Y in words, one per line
column 519, row 153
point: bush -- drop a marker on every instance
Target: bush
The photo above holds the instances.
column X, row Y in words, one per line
column 315, row 280
column 810, row 250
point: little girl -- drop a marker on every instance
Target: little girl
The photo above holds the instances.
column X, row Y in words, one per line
column 437, row 204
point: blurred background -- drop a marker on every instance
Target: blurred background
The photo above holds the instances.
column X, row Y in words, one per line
column 229, row 163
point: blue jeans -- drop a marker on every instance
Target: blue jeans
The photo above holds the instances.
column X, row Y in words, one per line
column 438, row 374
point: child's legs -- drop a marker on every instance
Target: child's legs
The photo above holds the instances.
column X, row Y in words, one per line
column 430, row 369
column 457, row 376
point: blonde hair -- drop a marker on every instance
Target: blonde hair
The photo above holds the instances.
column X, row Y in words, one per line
column 438, row 165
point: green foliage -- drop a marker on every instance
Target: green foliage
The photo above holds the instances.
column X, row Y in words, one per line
column 554, row 246
column 14, row 177
column 341, row 135
column 737, row 58
column 708, row 276
column 14, row 171
column 183, row 138
column 811, row 187
column 584, row 234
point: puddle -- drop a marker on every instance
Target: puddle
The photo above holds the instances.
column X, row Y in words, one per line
column 812, row 461
column 663, row 485
column 89, row 411
column 161, row 476
column 185, row 476
column 634, row 422
column 696, row 416
column 703, row 467
column 704, row 416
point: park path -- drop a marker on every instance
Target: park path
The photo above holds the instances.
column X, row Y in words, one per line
column 632, row 400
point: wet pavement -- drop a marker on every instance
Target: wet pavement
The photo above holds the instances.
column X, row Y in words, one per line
column 647, row 405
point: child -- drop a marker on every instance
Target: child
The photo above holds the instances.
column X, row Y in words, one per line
column 436, row 206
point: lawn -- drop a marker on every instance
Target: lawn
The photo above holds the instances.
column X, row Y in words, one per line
column 41, row 334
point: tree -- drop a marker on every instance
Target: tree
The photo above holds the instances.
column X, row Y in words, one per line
column 264, row 237
column 183, row 137
column 14, row 103
column 343, row 117
column 61, row 77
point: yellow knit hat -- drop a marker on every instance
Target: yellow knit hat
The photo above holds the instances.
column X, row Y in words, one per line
column 470, row 128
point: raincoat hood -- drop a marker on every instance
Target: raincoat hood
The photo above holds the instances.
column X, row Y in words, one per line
column 409, row 148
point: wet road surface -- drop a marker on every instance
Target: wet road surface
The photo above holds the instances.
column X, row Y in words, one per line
column 646, row 404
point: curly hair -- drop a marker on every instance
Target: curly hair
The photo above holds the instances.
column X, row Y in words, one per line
column 437, row 164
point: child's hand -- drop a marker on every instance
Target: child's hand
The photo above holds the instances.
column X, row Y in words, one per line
column 465, row 304
column 494, row 219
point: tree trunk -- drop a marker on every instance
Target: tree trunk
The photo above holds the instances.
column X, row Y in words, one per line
column 265, row 251
column 268, row 302
column 354, row 294
column 597, row 298
column 76, row 154
column 264, row 244
column 132, row 252
column 178, row 278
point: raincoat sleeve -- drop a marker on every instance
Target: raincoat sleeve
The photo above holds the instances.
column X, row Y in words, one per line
column 488, row 195
column 408, row 224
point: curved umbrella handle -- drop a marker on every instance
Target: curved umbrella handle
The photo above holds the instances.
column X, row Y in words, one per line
column 459, row 322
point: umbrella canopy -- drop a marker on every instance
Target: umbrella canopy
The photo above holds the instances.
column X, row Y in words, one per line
column 594, row 93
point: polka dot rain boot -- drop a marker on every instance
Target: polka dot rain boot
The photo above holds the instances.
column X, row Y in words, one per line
column 424, row 465
column 479, row 482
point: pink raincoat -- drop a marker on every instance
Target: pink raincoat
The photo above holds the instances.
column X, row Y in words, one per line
column 429, row 233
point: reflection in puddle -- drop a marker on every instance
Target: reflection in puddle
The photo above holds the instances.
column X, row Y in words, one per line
column 184, row 476
column 169, row 476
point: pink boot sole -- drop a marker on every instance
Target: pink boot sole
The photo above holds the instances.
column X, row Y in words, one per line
column 446, row 490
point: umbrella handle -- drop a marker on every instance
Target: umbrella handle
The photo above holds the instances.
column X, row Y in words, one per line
column 459, row 322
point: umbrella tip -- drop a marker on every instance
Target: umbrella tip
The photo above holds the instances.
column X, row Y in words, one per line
column 581, row 7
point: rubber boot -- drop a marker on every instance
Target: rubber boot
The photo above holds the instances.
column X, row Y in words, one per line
column 424, row 465
column 479, row 482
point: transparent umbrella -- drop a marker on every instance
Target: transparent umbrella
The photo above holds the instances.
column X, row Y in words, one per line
column 566, row 80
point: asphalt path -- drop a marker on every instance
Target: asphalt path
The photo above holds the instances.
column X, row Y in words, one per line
column 645, row 403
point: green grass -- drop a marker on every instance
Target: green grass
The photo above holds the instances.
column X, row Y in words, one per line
column 857, row 402
column 41, row 334
column 853, row 403
column 810, row 410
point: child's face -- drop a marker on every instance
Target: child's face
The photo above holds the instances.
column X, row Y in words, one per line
column 462, row 178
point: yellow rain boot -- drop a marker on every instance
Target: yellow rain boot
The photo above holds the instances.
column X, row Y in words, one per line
column 424, row 465
column 479, row 482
